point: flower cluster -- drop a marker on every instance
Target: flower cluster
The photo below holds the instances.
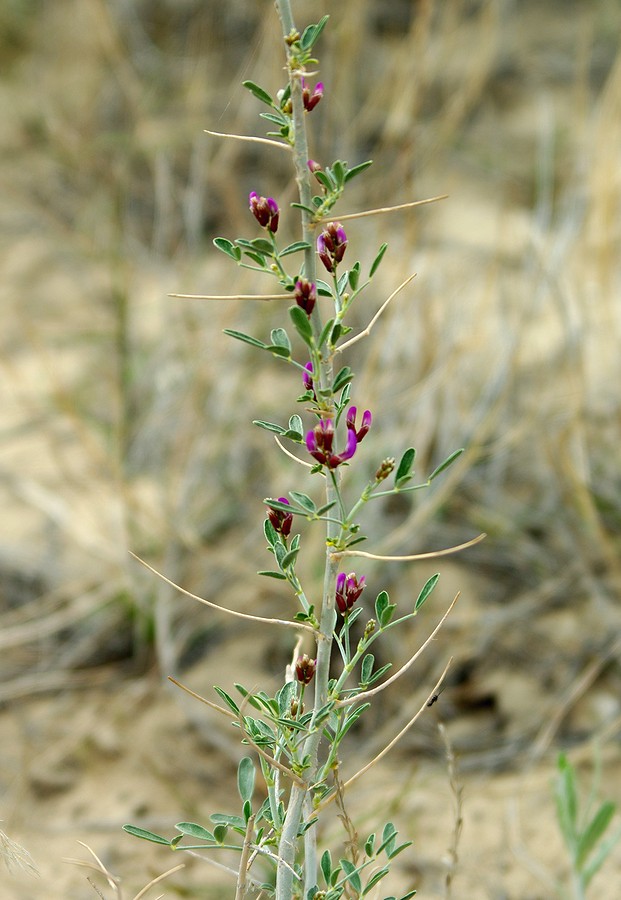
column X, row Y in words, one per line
column 265, row 210
column 281, row 520
column 319, row 441
column 331, row 245
column 348, row 589
column 305, row 294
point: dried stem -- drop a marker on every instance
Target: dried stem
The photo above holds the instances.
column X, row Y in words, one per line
column 385, row 209
column 431, row 555
column 250, row 138
column 367, row 330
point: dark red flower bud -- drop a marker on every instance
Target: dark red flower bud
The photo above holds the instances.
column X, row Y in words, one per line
column 331, row 245
column 265, row 210
column 281, row 520
column 348, row 589
column 311, row 99
column 364, row 425
column 305, row 295
column 305, row 669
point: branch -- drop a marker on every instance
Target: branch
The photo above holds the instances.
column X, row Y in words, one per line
column 231, row 612
column 240, row 893
column 384, row 209
column 431, row 555
column 376, row 690
column 256, row 140
column 367, row 330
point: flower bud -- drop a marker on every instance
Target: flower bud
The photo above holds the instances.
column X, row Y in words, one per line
column 281, row 520
column 348, row 590
column 305, row 295
column 305, row 669
column 331, row 245
column 311, row 99
column 386, row 467
column 364, row 425
column 265, row 210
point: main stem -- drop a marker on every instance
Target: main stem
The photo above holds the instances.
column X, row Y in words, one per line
column 299, row 796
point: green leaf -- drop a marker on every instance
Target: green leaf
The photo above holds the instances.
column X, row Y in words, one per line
column 229, row 821
column 392, row 853
column 369, row 845
column 195, row 831
column 409, row 895
column 343, row 377
column 325, row 331
column 389, row 836
column 296, row 425
column 600, row 857
column 366, row 668
column 354, row 276
column 356, row 170
column 277, row 118
column 374, row 879
column 387, row 615
column 256, row 258
column 261, row 246
column 245, row 778
column 294, row 248
column 228, row 247
column 304, row 501
column 379, row 673
column 338, row 170
column 381, row 602
column 326, row 867
column 447, row 462
column 269, row 426
column 146, row 835
column 271, row 535
column 404, row 469
column 258, row 92
column 324, row 180
column 378, row 258
column 426, row 590
column 593, row 832
column 280, row 338
column 289, row 558
column 302, row 324
column 352, row 718
column 227, row 699
column 276, row 504
column 351, row 874
column 269, row 574
column 311, row 33
column 219, row 833
column 246, row 338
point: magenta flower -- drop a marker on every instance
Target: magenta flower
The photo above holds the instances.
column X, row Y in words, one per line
column 305, row 295
column 319, row 444
column 305, row 669
column 281, row 520
column 311, row 100
column 265, row 210
column 348, row 589
column 307, row 378
column 364, row 425
column 331, row 245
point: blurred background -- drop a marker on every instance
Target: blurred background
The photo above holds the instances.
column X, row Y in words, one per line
column 126, row 415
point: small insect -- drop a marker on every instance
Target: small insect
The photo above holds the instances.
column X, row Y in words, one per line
column 435, row 697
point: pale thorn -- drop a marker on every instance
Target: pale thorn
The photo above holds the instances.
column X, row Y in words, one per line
column 367, row 330
column 392, row 743
column 250, row 138
column 384, row 209
column 288, row 453
column 231, row 296
column 300, row 626
column 415, row 556
column 404, row 668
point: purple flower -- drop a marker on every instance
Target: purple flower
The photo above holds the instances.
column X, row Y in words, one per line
column 307, row 378
column 331, row 245
column 364, row 425
column 281, row 520
column 311, row 100
column 319, row 444
column 305, row 295
column 305, row 669
column 265, row 210
column 348, row 589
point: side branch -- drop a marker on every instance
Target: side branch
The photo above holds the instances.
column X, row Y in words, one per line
column 299, row 626
column 431, row 555
column 384, row 209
